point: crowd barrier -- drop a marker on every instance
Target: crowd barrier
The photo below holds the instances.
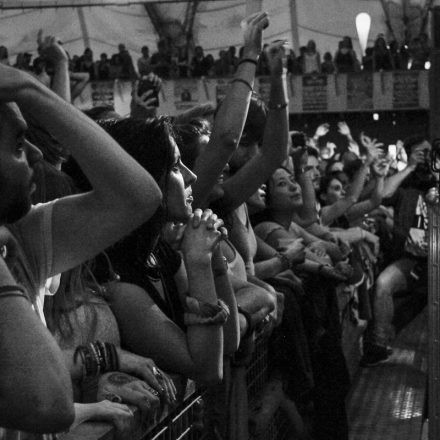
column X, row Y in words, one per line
column 186, row 421
column 357, row 92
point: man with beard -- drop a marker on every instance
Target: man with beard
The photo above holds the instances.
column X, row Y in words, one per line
column 410, row 248
column 38, row 242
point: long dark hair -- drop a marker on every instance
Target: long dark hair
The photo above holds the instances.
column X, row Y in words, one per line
column 149, row 143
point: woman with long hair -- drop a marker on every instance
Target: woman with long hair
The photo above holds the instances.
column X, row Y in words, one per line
column 168, row 307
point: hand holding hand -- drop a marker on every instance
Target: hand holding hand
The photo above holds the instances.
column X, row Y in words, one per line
column 201, row 234
column 253, row 27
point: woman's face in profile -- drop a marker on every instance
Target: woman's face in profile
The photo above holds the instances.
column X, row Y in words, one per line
column 179, row 192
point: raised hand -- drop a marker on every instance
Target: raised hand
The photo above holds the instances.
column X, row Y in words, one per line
column 275, row 54
column 381, row 167
column 322, row 130
column 50, row 49
column 344, row 129
column 253, row 27
column 372, row 146
column 299, row 157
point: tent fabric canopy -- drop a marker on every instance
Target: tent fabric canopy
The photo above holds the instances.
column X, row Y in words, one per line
column 216, row 24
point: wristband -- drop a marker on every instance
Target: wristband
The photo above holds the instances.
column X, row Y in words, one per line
column 242, row 81
column 13, row 290
column 248, row 60
column 277, row 106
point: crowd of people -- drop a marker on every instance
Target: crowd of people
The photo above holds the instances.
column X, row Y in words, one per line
column 139, row 251
column 176, row 62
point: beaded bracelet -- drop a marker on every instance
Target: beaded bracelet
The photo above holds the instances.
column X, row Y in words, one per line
column 97, row 357
column 242, row 81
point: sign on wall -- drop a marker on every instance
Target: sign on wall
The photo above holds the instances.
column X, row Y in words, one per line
column 314, row 93
column 406, row 90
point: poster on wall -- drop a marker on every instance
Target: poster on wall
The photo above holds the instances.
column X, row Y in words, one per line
column 102, row 93
column 314, row 93
column 406, row 90
column 264, row 88
column 360, row 91
column 186, row 94
column 220, row 89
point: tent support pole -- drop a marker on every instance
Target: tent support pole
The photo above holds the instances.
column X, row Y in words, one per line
column 294, row 26
column 84, row 30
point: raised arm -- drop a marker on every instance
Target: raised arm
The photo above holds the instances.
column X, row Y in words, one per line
column 35, row 388
column 332, row 212
column 124, row 195
column 344, row 129
column 231, row 116
column 393, row 182
column 360, row 209
column 244, row 183
column 51, row 51
column 145, row 330
column 308, row 213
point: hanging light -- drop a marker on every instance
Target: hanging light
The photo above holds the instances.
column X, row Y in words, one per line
column 363, row 23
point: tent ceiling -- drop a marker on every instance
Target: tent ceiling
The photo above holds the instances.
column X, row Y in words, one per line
column 45, row 4
column 216, row 22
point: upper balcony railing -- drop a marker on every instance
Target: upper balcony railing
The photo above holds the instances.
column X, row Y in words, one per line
column 354, row 92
